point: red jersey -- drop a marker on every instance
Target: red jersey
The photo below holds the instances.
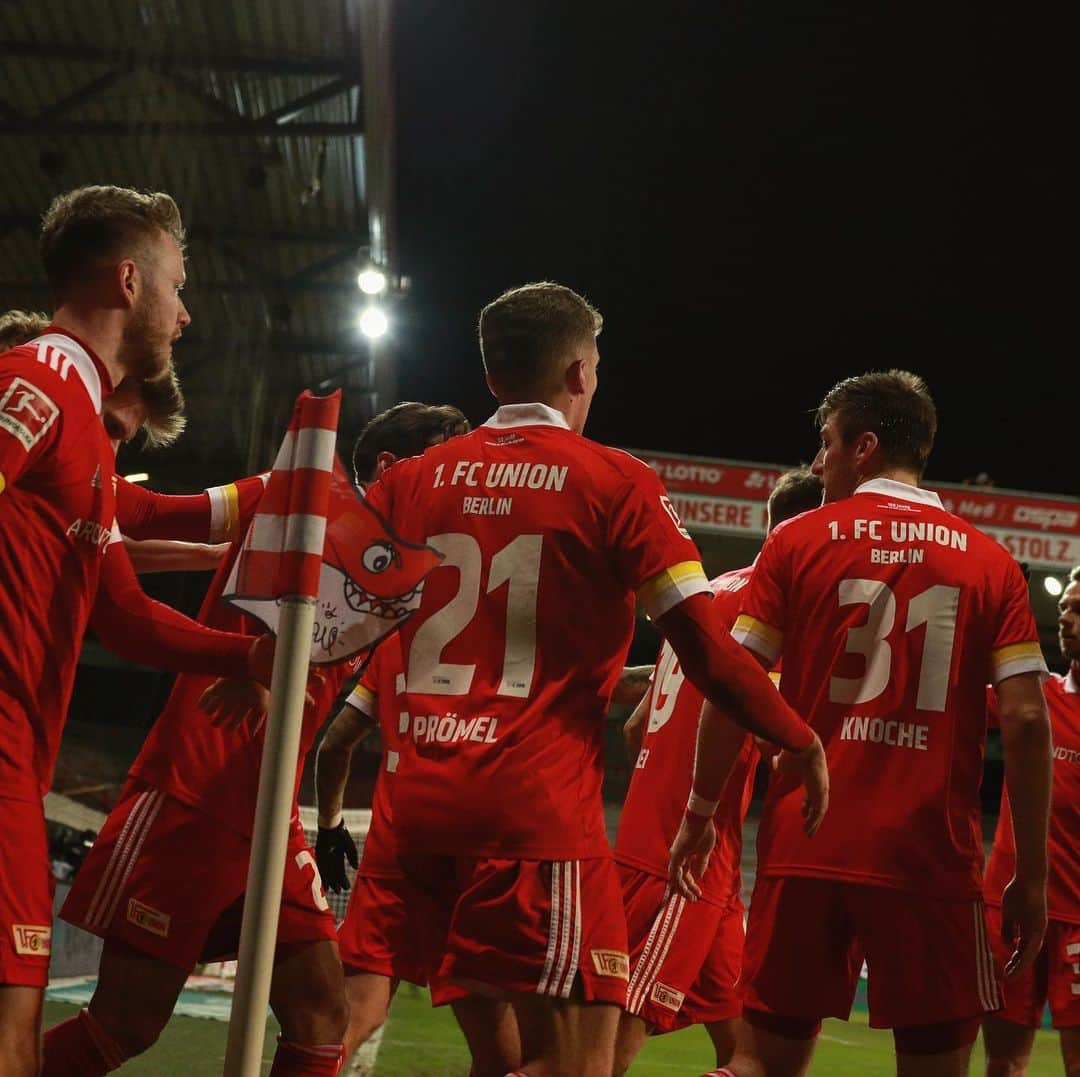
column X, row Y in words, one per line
column 892, row 615
column 214, row 769
column 1063, row 843
column 57, row 508
column 523, row 630
column 380, row 695
column 664, row 770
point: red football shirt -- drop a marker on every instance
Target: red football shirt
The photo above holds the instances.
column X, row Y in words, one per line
column 379, row 695
column 1063, row 843
column 523, row 630
column 57, row 507
column 891, row 615
column 662, row 776
column 214, row 769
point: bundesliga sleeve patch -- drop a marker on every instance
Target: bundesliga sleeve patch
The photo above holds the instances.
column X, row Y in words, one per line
column 26, row 412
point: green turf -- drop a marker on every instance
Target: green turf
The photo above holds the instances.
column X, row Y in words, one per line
column 189, row 1046
column 421, row 1042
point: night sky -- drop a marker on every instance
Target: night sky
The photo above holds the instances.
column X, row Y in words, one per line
column 760, row 201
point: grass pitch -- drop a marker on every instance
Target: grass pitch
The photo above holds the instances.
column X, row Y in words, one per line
column 421, row 1042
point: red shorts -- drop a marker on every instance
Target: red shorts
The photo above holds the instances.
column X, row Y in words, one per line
column 1054, row 978
column 527, row 926
column 685, row 956
column 26, row 890
column 377, row 934
column 169, row 881
column 928, row 959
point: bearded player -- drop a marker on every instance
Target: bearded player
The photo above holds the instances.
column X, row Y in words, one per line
column 114, row 261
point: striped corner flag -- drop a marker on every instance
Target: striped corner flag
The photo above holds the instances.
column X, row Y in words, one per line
column 281, row 555
column 312, row 528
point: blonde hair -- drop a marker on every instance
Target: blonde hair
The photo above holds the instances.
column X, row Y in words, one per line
column 19, row 326
column 94, row 226
column 164, row 399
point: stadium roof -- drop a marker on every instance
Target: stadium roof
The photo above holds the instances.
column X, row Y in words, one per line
column 271, row 124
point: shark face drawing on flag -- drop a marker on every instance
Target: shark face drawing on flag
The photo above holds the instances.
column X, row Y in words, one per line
column 371, row 580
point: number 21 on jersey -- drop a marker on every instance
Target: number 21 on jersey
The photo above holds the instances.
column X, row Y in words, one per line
column 517, row 565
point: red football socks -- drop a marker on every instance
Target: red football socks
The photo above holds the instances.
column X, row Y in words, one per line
column 304, row 1060
column 80, row 1045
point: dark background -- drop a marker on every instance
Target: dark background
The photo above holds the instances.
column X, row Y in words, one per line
column 761, row 200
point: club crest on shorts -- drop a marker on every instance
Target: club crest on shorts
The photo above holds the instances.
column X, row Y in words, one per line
column 26, row 412
column 613, row 963
column 32, row 940
column 153, row 920
column 667, row 997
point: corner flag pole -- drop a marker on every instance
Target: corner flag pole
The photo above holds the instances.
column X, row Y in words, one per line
column 290, row 546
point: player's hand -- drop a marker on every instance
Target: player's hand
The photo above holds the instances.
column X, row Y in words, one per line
column 690, row 854
column 236, row 703
column 333, row 847
column 261, row 659
column 1023, row 923
column 811, row 767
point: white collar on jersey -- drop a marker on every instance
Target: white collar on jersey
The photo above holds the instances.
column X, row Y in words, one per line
column 900, row 491
column 511, row 415
column 63, row 353
column 1071, row 685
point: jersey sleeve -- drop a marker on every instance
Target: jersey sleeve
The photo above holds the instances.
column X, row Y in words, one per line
column 1016, row 646
column 760, row 625
column 212, row 516
column 32, row 398
column 134, row 626
column 654, row 554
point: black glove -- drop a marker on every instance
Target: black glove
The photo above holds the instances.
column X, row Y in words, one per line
column 333, row 847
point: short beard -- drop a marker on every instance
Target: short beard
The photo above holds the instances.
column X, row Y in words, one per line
column 140, row 356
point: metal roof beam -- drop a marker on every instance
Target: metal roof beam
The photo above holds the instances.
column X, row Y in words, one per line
column 84, row 93
column 291, row 109
column 193, row 90
column 226, row 128
column 169, row 60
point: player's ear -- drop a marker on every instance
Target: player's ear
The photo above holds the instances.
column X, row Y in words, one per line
column 383, row 462
column 127, row 277
column 866, row 445
column 574, row 378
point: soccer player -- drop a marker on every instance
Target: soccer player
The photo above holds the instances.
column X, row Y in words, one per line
column 510, row 663
column 381, row 944
column 686, row 957
column 115, row 265
column 889, row 614
column 1009, row 1034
